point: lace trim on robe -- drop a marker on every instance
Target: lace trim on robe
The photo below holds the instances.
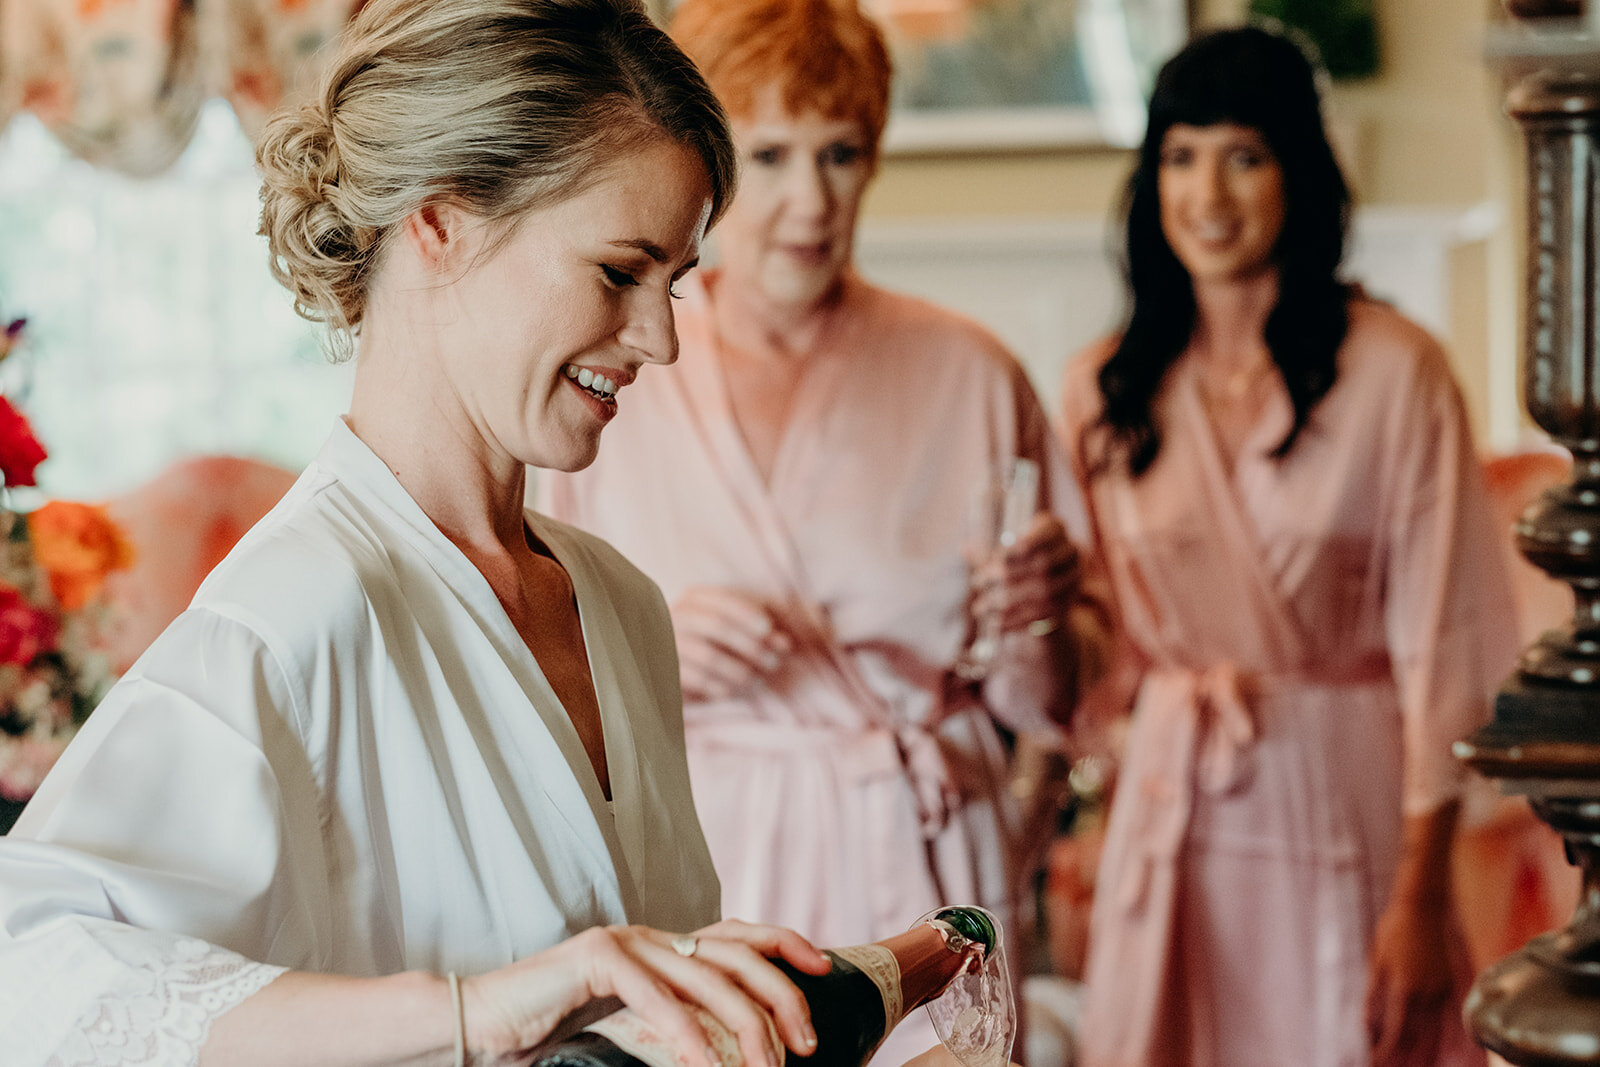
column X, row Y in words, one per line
column 161, row 1015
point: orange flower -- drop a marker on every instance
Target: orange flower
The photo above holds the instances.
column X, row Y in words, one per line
column 77, row 545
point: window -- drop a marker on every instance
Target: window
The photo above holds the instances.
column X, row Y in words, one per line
column 155, row 329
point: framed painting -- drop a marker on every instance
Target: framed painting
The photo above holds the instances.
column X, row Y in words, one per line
column 1009, row 74
column 987, row 75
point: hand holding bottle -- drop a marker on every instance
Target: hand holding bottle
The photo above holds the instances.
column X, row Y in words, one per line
column 727, row 971
column 952, row 960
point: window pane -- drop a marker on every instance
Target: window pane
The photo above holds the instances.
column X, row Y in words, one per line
column 155, row 329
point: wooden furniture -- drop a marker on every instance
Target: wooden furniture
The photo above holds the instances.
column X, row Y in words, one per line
column 1541, row 1004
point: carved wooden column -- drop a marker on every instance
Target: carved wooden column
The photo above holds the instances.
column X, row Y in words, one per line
column 1541, row 1005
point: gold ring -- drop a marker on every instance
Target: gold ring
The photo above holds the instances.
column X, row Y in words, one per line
column 1043, row 627
column 685, row 944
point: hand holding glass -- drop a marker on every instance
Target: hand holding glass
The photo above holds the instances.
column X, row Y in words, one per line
column 1000, row 512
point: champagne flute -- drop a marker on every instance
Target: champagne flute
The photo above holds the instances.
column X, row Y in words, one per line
column 1000, row 511
column 976, row 1015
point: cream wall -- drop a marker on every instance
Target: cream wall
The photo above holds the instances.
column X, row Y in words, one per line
column 1426, row 137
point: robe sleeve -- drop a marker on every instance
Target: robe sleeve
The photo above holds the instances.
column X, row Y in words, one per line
column 174, row 845
column 1448, row 612
column 1107, row 698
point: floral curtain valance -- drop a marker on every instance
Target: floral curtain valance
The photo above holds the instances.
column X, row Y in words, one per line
column 121, row 82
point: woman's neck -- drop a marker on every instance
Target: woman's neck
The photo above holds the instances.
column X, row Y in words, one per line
column 1231, row 320
column 755, row 326
column 438, row 457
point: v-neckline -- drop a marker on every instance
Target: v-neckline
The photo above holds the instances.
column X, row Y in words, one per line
column 817, row 367
column 1212, row 455
column 607, row 732
column 1253, row 446
column 1242, row 526
column 578, row 798
column 574, row 754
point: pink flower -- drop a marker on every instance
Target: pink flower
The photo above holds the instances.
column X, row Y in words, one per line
column 20, row 450
column 24, row 761
column 25, row 631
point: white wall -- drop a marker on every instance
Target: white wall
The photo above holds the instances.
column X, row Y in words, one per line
column 1049, row 286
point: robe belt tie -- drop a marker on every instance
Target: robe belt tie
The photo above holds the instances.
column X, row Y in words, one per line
column 1205, row 725
column 1204, row 722
column 860, row 756
column 1224, row 722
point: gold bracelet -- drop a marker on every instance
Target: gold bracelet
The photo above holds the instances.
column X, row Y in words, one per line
column 459, row 1010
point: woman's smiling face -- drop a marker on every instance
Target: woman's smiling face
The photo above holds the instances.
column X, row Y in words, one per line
column 790, row 232
column 1222, row 201
column 552, row 324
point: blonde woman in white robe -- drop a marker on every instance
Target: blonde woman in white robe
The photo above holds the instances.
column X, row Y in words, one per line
column 407, row 729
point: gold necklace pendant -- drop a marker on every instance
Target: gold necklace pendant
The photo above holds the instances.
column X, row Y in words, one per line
column 1236, row 385
column 1241, row 382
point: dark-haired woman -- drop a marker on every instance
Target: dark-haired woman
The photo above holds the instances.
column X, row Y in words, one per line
column 1285, row 492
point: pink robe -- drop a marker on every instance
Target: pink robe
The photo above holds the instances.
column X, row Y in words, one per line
column 816, row 788
column 1310, row 635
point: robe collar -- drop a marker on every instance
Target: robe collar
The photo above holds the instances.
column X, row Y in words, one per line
column 611, row 832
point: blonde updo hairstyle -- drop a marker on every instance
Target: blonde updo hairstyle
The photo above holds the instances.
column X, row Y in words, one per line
column 500, row 106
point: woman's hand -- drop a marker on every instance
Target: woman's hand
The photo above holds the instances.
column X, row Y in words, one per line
column 727, row 639
column 1415, row 958
column 1032, row 585
column 729, row 974
column 1411, row 980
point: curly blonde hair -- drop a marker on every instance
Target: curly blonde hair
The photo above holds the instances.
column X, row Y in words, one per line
column 501, row 106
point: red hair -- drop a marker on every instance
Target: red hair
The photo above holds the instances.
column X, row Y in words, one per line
column 823, row 57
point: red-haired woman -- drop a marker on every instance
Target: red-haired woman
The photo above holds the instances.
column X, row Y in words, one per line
column 799, row 487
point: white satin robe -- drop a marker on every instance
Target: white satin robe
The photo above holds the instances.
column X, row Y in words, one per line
column 343, row 758
column 848, row 792
column 1308, row 636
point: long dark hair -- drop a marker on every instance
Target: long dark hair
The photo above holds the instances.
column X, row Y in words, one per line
column 1250, row 77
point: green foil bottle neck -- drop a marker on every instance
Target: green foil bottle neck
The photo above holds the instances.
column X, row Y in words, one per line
column 972, row 924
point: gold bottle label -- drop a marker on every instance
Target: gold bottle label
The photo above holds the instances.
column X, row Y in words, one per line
column 878, row 964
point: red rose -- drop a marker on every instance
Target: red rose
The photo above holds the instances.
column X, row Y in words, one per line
column 20, row 451
column 25, row 631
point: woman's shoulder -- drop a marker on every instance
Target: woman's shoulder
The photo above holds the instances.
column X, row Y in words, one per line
column 279, row 601
column 309, row 567
column 1080, row 381
column 1087, row 361
column 927, row 329
column 1389, row 349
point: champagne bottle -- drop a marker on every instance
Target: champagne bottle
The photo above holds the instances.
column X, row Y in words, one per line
column 869, row 989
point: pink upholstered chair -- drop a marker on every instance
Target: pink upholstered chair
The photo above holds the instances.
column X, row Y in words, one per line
column 1512, row 878
column 182, row 522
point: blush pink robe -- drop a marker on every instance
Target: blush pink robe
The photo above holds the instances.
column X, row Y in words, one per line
column 816, row 788
column 1308, row 637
